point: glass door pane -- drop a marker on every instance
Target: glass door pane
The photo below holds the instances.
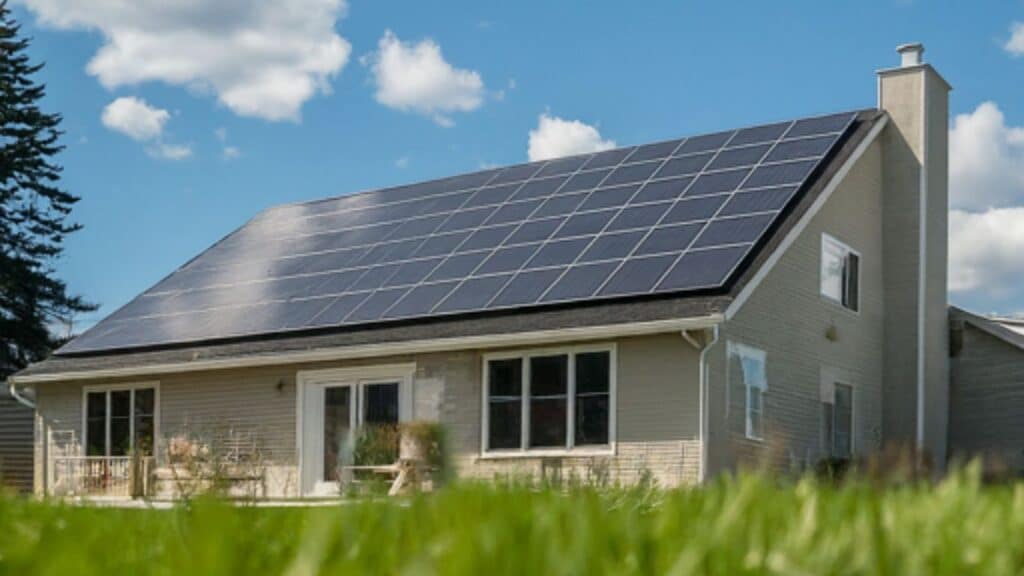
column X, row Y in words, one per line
column 145, row 404
column 337, row 425
column 380, row 405
column 96, row 424
column 120, row 422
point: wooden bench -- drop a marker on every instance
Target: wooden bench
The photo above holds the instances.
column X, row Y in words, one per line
column 404, row 472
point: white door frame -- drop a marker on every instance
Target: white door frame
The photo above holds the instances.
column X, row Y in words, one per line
column 308, row 408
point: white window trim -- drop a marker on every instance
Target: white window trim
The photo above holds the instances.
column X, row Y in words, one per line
column 831, row 401
column 829, row 239
column 735, row 348
column 86, row 390
column 524, row 451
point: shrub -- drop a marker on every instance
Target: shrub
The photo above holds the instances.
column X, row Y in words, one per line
column 376, row 445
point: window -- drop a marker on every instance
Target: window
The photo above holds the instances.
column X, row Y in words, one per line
column 119, row 420
column 548, row 400
column 505, row 403
column 593, row 398
column 750, row 362
column 380, row 403
column 549, row 385
column 837, row 422
column 840, row 273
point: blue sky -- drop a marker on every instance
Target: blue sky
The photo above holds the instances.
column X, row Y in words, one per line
column 314, row 98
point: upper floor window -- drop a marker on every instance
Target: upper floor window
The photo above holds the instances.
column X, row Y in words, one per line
column 548, row 400
column 840, row 273
column 751, row 365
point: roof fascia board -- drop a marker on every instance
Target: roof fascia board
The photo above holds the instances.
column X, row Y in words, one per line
column 540, row 337
column 805, row 219
column 990, row 327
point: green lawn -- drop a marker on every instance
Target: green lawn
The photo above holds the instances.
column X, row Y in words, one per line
column 736, row 526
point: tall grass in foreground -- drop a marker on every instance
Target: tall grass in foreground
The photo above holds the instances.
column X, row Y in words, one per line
column 746, row 525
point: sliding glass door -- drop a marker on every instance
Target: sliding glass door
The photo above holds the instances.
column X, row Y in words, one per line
column 336, row 407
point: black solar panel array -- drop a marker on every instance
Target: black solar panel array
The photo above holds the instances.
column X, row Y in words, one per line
column 666, row 217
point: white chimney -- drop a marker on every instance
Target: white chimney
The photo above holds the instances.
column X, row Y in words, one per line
column 911, row 54
column 915, row 172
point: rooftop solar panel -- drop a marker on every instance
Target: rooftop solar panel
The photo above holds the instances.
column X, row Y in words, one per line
column 670, row 216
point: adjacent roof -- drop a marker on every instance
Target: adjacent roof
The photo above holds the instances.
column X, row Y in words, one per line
column 1009, row 330
column 662, row 231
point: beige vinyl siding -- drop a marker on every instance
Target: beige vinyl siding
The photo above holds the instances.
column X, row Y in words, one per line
column 986, row 416
column 789, row 319
column 58, row 415
column 15, row 443
column 657, row 418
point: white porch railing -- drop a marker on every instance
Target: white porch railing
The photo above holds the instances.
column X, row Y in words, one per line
column 113, row 476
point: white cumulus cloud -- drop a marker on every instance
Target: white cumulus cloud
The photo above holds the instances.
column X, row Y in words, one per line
column 417, row 78
column 169, row 151
column 985, row 251
column 986, row 224
column 1015, row 45
column 135, row 118
column 555, row 137
column 261, row 59
column 986, row 160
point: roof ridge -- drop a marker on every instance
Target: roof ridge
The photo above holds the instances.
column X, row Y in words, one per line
column 498, row 169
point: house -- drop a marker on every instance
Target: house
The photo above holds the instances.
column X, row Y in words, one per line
column 15, row 443
column 986, row 381
column 772, row 294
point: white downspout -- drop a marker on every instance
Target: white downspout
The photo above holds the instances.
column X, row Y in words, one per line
column 704, row 416
column 922, row 279
column 17, row 396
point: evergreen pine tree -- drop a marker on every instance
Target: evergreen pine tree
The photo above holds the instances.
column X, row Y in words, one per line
column 34, row 210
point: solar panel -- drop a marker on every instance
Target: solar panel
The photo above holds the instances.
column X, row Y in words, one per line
column 664, row 217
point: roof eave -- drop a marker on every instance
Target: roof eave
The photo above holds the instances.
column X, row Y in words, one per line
column 988, row 326
column 424, row 346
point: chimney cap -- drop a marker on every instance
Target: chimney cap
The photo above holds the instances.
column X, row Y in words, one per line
column 911, row 53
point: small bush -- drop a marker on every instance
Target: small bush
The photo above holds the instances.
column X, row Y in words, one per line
column 376, row 445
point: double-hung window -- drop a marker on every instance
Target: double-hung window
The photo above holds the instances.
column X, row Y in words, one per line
column 549, row 400
column 837, row 422
column 750, row 364
column 119, row 420
column 840, row 273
